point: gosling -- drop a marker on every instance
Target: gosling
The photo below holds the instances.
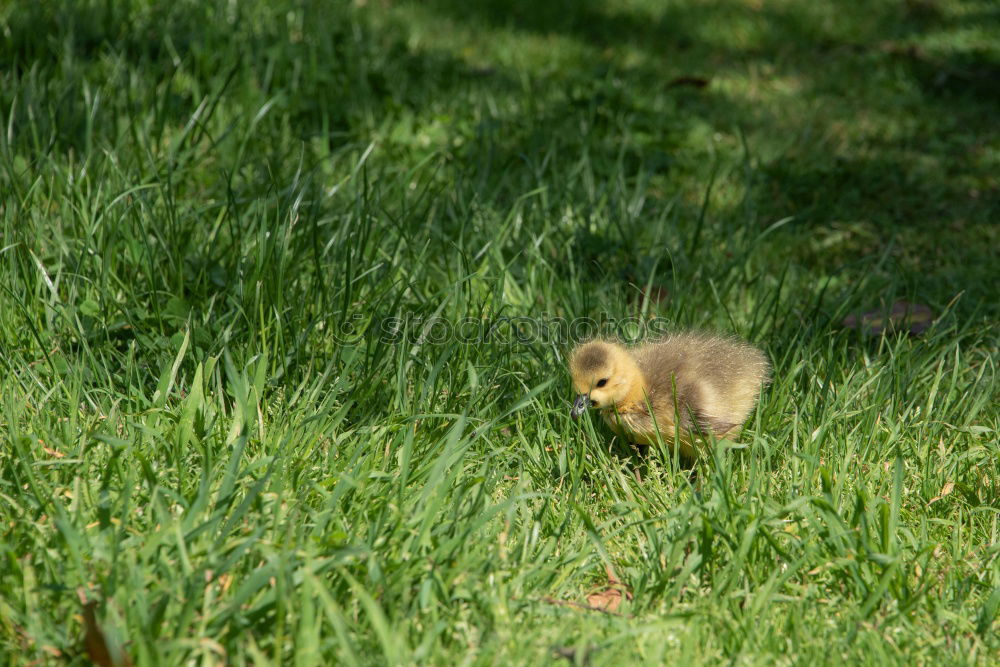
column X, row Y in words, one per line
column 688, row 384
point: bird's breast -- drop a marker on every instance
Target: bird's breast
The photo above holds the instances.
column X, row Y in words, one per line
column 639, row 425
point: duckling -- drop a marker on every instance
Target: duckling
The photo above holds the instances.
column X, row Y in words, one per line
column 703, row 383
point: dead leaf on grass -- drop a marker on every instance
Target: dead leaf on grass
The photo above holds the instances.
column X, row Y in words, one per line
column 945, row 490
column 95, row 641
column 693, row 81
column 913, row 318
column 610, row 597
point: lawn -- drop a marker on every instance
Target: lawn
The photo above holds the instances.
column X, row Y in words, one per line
column 287, row 290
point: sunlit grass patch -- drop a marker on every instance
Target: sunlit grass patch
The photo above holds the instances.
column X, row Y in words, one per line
column 286, row 291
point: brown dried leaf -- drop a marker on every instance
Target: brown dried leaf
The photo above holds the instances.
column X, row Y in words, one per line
column 945, row 490
column 95, row 641
column 610, row 598
column 913, row 318
column 693, row 81
column 576, row 605
column 607, row 600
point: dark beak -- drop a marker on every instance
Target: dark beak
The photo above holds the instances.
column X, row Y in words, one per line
column 580, row 406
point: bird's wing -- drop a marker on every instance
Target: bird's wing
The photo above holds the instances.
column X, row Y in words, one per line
column 697, row 420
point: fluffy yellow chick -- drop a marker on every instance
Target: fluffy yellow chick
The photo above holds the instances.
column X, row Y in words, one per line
column 704, row 383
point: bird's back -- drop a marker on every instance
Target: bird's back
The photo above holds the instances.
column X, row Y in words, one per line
column 716, row 379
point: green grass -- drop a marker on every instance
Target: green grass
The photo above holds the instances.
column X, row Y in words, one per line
column 214, row 214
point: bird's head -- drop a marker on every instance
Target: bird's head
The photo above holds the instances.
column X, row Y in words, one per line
column 604, row 374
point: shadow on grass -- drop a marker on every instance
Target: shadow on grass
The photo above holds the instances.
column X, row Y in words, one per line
column 919, row 177
column 339, row 77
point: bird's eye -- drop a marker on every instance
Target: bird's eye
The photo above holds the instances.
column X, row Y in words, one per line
column 602, row 382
